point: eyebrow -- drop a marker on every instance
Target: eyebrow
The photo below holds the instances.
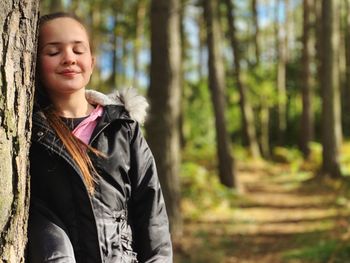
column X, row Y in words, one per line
column 59, row 43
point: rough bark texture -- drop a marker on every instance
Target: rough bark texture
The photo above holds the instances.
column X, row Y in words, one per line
column 164, row 96
column 307, row 119
column 217, row 87
column 18, row 23
column 331, row 124
column 246, row 109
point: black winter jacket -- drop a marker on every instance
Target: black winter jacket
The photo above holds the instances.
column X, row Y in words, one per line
column 124, row 220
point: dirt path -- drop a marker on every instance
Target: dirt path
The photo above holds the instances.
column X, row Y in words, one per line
column 278, row 215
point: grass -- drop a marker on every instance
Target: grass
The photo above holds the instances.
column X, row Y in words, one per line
column 216, row 232
column 323, row 251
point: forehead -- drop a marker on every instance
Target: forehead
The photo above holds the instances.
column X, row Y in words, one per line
column 63, row 30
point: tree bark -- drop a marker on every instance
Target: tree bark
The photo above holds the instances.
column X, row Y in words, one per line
column 331, row 123
column 346, row 98
column 164, row 96
column 307, row 119
column 18, row 23
column 114, row 44
column 246, row 110
column 56, row 6
column 140, row 15
column 281, row 39
column 256, row 31
column 217, row 87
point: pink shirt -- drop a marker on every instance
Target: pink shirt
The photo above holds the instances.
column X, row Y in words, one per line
column 84, row 130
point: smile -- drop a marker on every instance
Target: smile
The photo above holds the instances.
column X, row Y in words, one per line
column 69, row 73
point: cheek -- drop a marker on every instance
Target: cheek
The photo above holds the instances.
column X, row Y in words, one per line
column 47, row 66
column 87, row 64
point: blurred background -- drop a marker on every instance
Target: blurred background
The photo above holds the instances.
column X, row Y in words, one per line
column 249, row 118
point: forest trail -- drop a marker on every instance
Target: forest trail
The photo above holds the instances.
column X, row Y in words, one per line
column 278, row 215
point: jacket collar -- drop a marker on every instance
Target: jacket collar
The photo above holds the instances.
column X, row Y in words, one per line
column 133, row 103
column 123, row 104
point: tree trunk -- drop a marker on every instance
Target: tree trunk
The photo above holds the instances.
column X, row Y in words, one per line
column 318, row 43
column 18, row 23
column 264, row 123
column 331, row 126
column 164, row 96
column 56, row 6
column 201, row 48
column 346, row 100
column 217, row 86
column 182, row 73
column 114, row 44
column 246, row 110
column 140, row 15
column 281, row 39
column 307, row 114
column 256, row 31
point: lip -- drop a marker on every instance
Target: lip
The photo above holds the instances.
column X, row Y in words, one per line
column 68, row 72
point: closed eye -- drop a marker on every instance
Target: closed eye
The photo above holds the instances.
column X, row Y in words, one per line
column 79, row 52
column 53, row 54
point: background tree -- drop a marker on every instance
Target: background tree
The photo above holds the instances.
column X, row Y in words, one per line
column 307, row 114
column 18, row 23
column 281, row 47
column 217, row 90
column 346, row 92
column 164, row 95
column 256, row 31
column 246, row 110
column 331, row 123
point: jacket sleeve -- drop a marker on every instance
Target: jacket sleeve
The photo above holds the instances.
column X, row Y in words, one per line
column 149, row 218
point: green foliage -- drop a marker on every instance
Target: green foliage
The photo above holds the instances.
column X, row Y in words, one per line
column 202, row 193
column 345, row 158
column 234, row 123
column 261, row 82
column 286, row 155
column 323, row 252
column 199, row 122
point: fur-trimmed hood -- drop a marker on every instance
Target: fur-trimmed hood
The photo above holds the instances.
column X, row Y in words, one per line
column 134, row 103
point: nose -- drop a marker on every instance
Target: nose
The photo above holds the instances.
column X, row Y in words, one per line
column 68, row 58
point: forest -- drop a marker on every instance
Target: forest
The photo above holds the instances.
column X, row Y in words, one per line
column 249, row 118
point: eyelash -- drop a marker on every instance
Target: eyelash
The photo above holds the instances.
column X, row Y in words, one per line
column 56, row 53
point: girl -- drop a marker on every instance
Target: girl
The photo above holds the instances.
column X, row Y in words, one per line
column 95, row 195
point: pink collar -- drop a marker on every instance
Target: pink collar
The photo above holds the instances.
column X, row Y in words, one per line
column 84, row 130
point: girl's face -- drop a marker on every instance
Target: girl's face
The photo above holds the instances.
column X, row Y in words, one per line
column 65, row 60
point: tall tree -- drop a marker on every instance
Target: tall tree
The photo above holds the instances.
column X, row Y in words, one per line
column 114, row 44
column 217, row 89
column 164, row 95
column 256, row 33
column 56, row 6
column 246, row 110
column 281, row 41
column 140, row 15
column 307, row 114
column 346, row 100
column 201, row 47
column 331, row 123
column 18, row 20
